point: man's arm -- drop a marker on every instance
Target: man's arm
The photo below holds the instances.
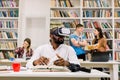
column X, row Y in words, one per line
column 78, row 43
column 71, row 58
column 35, row 56
column 61, row 62
column 41, row 61
column 83, row 43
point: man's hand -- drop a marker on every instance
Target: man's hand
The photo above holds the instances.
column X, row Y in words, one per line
column 61, row 62
column 41, row 61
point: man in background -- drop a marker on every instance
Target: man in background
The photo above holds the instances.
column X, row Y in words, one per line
column 77, row 41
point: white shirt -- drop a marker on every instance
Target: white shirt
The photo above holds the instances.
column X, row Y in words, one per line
column 64, row 51
column 24, row 54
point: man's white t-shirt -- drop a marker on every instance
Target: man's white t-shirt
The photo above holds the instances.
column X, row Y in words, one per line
column 64, row 51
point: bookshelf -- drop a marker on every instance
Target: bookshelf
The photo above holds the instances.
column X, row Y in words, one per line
column 117, row 29
column 9, row 17
column 99, row 13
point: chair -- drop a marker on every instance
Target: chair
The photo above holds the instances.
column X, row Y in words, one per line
column 100, row 56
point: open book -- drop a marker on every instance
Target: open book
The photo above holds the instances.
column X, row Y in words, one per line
column 53, row 68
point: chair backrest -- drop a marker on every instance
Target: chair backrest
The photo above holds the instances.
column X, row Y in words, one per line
column 100, row 56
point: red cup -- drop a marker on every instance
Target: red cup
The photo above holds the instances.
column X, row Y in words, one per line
column 16, row 66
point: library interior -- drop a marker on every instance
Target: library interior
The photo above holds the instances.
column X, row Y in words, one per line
column 60, row 39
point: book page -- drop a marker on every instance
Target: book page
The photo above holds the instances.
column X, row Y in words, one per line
column 52, row 68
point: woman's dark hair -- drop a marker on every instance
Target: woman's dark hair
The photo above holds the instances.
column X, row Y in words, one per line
column 28, row 40
column 100, row 35
column 100, row 32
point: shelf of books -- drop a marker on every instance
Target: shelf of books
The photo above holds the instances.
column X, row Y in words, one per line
column 98, row 13
column 9, row 15
column 117, row 29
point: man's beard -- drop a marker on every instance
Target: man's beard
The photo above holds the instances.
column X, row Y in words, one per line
column 58, row 41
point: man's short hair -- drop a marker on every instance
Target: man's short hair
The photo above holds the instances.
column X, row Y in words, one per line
column 79, row 25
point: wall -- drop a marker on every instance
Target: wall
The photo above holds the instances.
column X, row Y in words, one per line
column 34, row 21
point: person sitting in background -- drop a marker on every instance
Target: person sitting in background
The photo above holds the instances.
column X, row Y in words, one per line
column 25, row 51
column 77, row 41
column 54, row 53
column 99, row 41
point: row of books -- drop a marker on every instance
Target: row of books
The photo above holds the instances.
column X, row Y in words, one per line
column 9, row 13
column 64, row 13
column 7, row 35
column 96, row 3
column 94, row 24
column 9, row 24
column 8, row 3
column 117, row 45
column 97, row 13
column 8, row 45
column 117, row 24
column 117, row 3
column 108, row 34
column 70, row 24
column 54, row 24
column 6, row 54
column 117, row 56
column 117, row 14
column 61, row 3
column 117, row 34
column 86, row 13
column 86, row 23
column 90, row 35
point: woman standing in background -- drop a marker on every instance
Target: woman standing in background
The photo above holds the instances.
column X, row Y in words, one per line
column 25, row 51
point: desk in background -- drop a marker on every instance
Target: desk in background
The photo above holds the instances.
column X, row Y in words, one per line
column 29, row 75
column 112, row 65
column 8, row 62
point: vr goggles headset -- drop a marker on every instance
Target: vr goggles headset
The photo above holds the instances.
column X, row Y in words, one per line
column 62, row 31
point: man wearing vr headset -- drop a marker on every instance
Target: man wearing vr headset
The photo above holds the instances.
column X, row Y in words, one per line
column 56, row 52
